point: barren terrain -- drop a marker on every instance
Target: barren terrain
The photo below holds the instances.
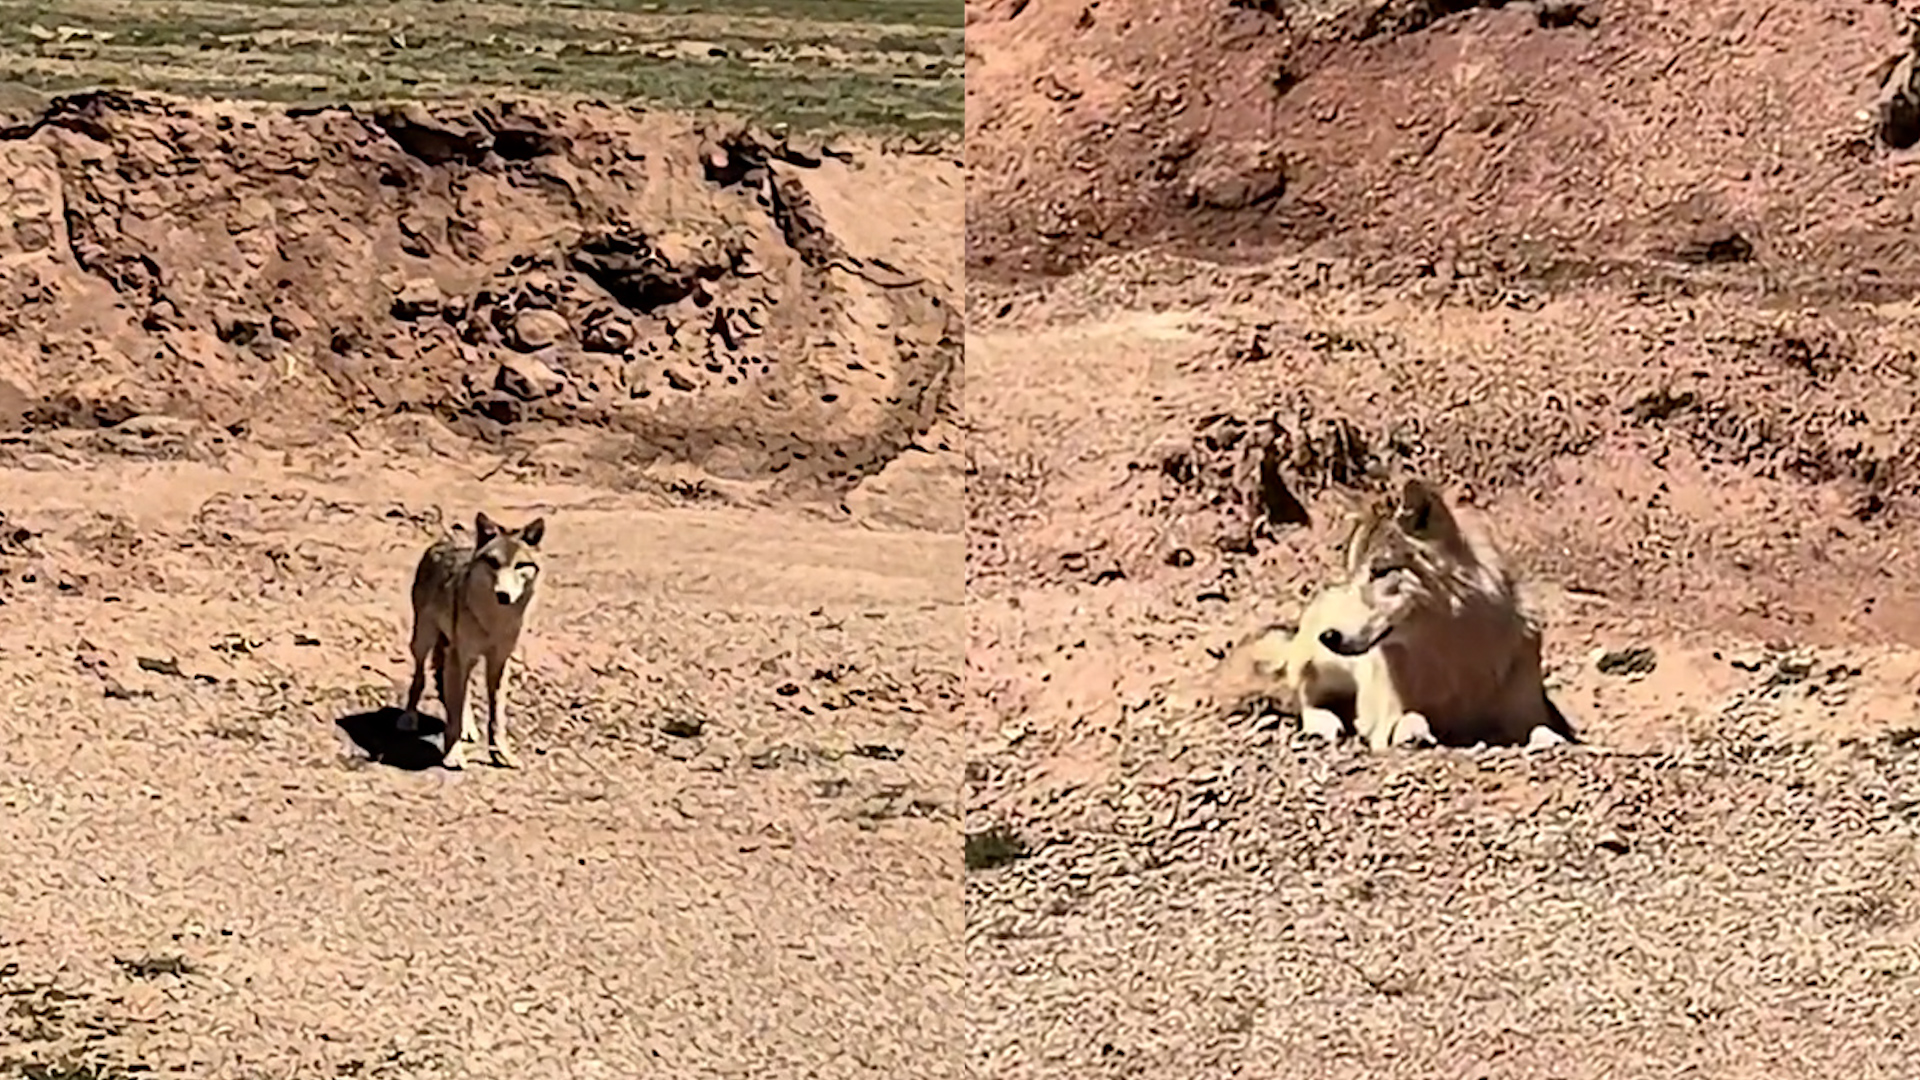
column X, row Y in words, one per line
column 253, row 358
column 1629, row 289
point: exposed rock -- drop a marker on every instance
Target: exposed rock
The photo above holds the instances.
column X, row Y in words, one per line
column 435, row 140
column 527, row 378
column 417, row 299
column 538, row 329
column 608, row 336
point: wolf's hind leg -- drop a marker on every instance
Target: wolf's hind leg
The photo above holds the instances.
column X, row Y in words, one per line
column 1544, row 737
column 440, row 670
column 426, row 644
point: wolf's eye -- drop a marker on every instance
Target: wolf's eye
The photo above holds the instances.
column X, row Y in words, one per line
column 1383, row 570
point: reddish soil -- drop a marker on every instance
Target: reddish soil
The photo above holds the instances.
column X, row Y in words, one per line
column 253, row 362
column 1553, row 137
column 1634, row 285
column 706, row 296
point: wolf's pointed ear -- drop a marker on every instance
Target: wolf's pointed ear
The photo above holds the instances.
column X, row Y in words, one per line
column 1346, row 504
column 531, row 533
column 1422, row 511
column 484, row 529
column 1355, row 535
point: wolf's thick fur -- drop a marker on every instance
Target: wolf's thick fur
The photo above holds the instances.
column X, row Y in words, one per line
column 1897, row 102
column 469, row 604
column 1426, row 639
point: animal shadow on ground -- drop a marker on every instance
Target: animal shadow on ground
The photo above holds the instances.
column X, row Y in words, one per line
column 378, row 735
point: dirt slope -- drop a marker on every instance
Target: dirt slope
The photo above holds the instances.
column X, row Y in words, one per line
column 1554, row 135
column 501, row 268
column 1630, row 283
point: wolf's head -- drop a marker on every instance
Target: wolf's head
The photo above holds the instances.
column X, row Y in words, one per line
column 1394, row 556
column 507, row 561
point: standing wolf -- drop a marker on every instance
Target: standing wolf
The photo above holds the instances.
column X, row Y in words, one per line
column 468, row 605
column 1425, row 640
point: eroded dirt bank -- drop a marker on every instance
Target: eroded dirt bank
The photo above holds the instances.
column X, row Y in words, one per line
column 755, row 307
column 1564, row 136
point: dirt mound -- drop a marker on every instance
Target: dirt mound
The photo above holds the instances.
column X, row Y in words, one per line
column 1797, row 406
column 1756, row 465
column 1438, row 137
column 701, row 293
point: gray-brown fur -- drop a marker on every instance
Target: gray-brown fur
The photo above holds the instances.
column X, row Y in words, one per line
column 1435, row 601
column 469, row 605
column 1897, row 102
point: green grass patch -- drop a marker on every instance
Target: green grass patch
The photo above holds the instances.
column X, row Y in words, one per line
column 820, row 64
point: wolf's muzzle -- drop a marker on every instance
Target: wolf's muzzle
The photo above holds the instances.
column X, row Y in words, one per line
column 1341, row 645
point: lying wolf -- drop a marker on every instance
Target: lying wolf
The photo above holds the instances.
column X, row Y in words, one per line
column 1424, row 640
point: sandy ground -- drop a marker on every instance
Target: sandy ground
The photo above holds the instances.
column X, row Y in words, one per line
column 1699, row 452
column 203, row 873
column 252, row 360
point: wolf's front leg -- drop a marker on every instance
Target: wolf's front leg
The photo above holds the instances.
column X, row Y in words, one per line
column 453, row 754
column 469, row 733
column 1321, row 723
column 497, row 743
column 1377, row 708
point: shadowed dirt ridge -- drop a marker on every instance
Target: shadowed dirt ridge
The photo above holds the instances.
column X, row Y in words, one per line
column 1634, row 284
column 254, row 361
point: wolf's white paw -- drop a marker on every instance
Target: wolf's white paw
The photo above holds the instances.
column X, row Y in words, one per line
column 1321, row 724
column 1412, row 730
column 1544, row 737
